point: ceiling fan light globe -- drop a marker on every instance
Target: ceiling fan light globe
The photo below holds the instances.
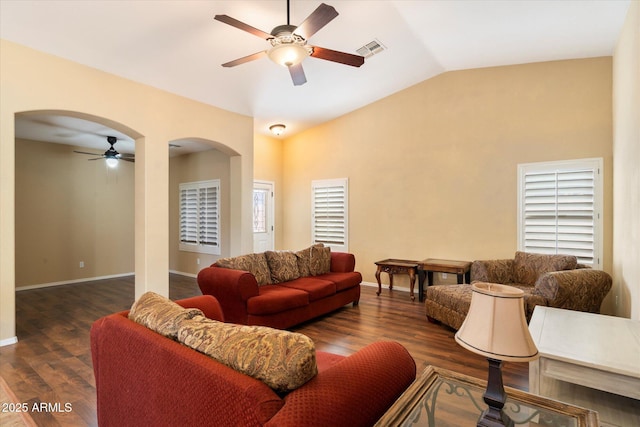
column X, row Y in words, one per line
column 112, row 162
column 288, row 55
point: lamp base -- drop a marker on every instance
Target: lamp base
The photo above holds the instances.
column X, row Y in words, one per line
column 493, row 417
column 494, row 397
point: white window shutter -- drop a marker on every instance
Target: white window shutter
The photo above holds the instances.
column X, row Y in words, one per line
column 199, row 217
column 330, row 213
column 560, row 209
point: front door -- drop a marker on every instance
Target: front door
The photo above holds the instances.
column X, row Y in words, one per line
column 263, row 232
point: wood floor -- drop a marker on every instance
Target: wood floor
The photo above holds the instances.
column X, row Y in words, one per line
column 51, row 363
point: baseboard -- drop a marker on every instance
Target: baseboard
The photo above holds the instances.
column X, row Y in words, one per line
column 386, row 286
column 8, row 341
column 70, row 282
column 182, row 273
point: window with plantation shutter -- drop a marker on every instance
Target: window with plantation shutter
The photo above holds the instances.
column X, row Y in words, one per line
column 560, row 207
column 330, row 214
column 199, row 217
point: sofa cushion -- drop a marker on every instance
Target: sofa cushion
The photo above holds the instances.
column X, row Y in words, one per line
column 304, row 259
column 255, row 264
column 275, row 299
column 160, row 314
column 343, row 280
column 283, row 360
column 320, row 262
column 283, row 265
column 316, row 288
column 527, row 267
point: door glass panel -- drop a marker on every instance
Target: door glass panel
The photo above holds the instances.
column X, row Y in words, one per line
column 259, row 211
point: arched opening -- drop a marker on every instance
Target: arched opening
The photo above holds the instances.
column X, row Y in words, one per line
column 74, row 214
column 196, row 163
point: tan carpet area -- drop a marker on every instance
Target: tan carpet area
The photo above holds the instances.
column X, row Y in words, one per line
column 10, row 409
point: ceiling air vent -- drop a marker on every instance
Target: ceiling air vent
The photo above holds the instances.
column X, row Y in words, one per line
column 371, row 49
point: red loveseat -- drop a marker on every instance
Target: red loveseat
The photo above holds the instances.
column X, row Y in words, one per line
column 143, row 378
column 282, row 304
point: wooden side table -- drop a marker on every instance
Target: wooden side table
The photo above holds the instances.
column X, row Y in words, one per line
column 460, row 268
column 397, row 266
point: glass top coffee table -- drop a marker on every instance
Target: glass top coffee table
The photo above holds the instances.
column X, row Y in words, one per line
column 442, row 398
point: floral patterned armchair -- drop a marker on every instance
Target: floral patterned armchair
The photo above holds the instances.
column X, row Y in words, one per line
column 549, row 280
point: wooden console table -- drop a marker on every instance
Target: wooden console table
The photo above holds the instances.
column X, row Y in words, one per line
column 397, row 266
column 462, row 269
column 440, row 397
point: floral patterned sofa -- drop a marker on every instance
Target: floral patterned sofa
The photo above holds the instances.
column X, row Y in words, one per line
column 549, row 280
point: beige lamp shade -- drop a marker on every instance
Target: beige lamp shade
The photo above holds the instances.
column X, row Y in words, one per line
column 495, row 326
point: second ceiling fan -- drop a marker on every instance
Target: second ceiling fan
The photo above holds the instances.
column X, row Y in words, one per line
column 289, row 43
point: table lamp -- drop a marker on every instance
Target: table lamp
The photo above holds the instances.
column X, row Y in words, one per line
column 496, row 327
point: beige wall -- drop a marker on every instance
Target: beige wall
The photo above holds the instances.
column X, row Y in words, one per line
column 69, row 210
column 432, row 169
column 203, row 166
column 32, row 81
column 267, row 154
column 626, row 158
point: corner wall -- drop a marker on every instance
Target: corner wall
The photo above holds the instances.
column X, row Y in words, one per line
column 433, row 169
column 626, row 158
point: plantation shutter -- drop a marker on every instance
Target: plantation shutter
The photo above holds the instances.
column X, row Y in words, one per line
column 560, row 210
column 199, row 217
column 188, row 215
column 329, row 211
column 208, row 216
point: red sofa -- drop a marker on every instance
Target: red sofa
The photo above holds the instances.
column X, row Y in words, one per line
column 143, row 378
column 284, row 304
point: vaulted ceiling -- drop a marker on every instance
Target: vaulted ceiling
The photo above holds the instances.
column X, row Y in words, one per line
column 177, row 46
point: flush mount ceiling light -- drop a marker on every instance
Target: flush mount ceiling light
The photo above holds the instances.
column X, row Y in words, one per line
column 277, row 129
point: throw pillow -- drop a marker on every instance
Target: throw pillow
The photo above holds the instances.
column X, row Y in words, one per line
column 255, row 264
column 283, row 266
column 527, row 267
column 283, row 360
column 304, row 259
column 160, row 314
column 320, row 262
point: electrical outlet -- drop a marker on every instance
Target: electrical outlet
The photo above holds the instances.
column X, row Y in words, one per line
column 81, row 264
column 198, row 261
column 444, row 276
column 616, row 300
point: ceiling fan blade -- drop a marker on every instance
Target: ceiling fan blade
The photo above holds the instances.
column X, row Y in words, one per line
column 335, row 56
column 127, row 160
column 242, row 26
column 314, row 22
column 244, row 59
column 127, row 155
column 297, row 74
column 97, row 158
column 84, row 152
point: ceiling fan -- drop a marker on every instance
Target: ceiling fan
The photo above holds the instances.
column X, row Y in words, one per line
column 111, row 155
column 289, row 43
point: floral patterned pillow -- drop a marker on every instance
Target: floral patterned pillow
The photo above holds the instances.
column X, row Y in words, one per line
column 320, row 262
column 160, row 314
column 281, row 359
column 304, row 259
column 283, row 266
column 255, row 264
